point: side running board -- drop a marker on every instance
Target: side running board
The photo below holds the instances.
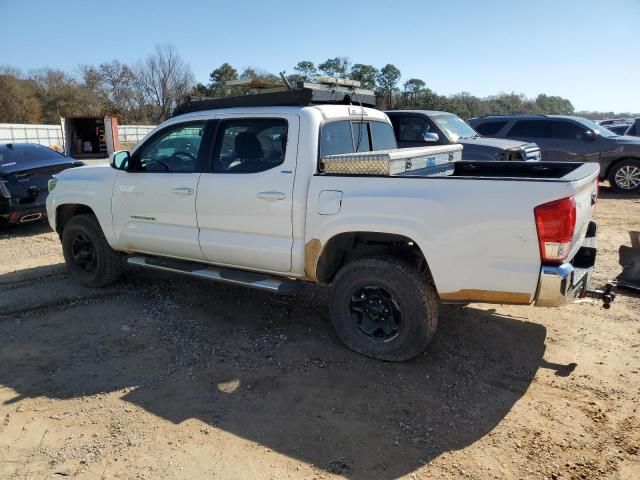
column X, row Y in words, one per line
column 283, row 286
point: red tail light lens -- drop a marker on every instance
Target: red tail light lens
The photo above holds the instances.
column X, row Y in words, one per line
column 555, row 222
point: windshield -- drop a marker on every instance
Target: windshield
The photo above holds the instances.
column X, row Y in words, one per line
column 599, row 129
column 454, row 127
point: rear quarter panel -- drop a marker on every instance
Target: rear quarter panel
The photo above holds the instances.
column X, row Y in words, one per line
column 477, row 235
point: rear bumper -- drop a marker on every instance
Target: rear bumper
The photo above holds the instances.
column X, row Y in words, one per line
column 23, row 214
column 559, row 284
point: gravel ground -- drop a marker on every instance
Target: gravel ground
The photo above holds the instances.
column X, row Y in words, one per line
column 166, row 377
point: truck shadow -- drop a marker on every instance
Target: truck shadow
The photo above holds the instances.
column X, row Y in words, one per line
column 24, row 230
column 269, row 369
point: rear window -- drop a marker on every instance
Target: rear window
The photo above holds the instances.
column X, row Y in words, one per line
column 345, row 136
column 490, row 128
column 382, row 136
column 530, row 128
column 27, row 153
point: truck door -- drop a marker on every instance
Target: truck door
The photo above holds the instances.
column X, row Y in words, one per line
column 154, row 205
column 244, row 203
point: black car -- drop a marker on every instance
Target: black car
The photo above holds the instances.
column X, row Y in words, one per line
column 25, row 170
column 620, row 129
column 567, row 138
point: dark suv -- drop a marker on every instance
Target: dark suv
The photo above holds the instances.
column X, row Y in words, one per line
column 565, row 138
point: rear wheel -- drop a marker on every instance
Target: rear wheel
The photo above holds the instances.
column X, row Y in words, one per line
column 87, row 254
column 384, row 308
column 625, row 176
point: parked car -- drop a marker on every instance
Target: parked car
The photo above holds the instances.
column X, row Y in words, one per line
column 254, row 203
column 634, row 129
column 620, row 129
column 613, row 121
column 431, row 127
column 567, row 138
column 25, row 169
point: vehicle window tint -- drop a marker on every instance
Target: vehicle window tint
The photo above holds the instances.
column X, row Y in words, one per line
column 382, row 136
column 490, row 128
column 633, row 130
column 18, row 153
column 361, row 137
column 175, row 150
column 566, row 130
column 412, row 129
column 529, row 128
column 336, row 138
column 250, row 145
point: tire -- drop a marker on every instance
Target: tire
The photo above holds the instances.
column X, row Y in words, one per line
column 384, row 308
column 624, row 177
column 88, row 256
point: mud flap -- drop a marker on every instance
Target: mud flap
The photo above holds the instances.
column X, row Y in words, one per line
column 629, row 279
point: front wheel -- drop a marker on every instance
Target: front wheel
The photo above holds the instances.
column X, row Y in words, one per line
column 87, row 254
column 625, row 176
column 384, row 308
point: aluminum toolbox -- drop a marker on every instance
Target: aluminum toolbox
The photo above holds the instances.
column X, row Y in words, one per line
column 421, row 161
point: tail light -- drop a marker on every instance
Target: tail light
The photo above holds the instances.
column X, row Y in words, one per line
column 4, row 191
column 555, row 222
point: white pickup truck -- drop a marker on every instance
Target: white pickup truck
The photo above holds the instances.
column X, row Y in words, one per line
column 239, row 195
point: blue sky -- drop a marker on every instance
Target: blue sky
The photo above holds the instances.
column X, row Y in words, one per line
column 587, row 51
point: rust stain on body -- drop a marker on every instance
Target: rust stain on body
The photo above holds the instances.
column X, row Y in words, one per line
column 312, row 251
column 488, row 296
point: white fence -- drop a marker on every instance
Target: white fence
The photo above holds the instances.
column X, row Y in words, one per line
column 132, row 134
column 50, row 135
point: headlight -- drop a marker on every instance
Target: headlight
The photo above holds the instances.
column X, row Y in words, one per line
column 51, row 184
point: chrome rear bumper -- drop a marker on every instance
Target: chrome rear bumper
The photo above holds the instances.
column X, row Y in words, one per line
column 559, row 284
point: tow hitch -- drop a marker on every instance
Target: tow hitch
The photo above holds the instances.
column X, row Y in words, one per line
column 606, row 294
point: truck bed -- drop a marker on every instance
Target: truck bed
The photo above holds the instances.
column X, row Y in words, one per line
column 500, row 170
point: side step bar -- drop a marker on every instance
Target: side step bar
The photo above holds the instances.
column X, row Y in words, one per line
column 282, row 286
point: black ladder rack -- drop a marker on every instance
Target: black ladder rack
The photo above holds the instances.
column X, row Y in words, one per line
column 305, row 94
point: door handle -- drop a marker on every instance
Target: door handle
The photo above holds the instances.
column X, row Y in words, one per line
column 271, row 196
column 182, row 191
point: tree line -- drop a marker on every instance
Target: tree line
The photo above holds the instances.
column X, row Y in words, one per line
column 147, row 91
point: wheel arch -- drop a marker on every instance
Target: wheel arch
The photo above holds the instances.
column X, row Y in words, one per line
column 67, row 211
column 324, row 259
column 615, row 162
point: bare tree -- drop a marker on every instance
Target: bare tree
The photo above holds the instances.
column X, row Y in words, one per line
column 164, row 78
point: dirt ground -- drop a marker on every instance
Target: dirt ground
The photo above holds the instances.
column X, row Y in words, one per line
column 166, row 377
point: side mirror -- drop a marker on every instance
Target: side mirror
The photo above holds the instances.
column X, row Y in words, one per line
column 589, row 135
column 431, row 137
column 120, row 160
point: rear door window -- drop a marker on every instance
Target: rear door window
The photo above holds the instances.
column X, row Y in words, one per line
column 530, row 129
column 250, row 145
column 490, row 128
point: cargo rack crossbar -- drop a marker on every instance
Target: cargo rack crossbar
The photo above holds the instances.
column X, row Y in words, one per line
column 304, row 94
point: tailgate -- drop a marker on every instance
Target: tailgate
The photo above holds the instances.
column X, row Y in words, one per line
column 25, row 186
column 585, row 196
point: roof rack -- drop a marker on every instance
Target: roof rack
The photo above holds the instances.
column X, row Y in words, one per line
column 513, row 115
column 302, row 95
